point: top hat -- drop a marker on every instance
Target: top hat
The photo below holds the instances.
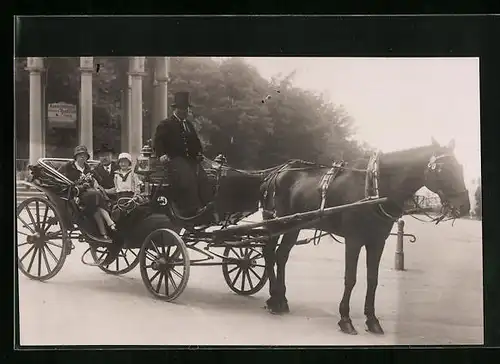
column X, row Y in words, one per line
column 81, row 149
column 105, row 148
column 181, row 100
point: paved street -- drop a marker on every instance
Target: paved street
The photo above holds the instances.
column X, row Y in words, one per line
column 438, row 300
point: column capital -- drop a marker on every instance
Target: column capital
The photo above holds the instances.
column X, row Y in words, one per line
column 137, row 66
column 86, row 65
column 35, row 64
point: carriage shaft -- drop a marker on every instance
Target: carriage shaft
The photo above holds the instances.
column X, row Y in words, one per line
column 267, row 226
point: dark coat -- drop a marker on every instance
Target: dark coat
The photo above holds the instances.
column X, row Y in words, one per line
column 105, row 179
column 70, row 171
column 171, row 139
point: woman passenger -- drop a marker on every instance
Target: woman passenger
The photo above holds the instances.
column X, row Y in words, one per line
column 93, row 199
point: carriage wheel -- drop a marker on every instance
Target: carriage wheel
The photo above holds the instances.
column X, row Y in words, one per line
column 244, row 272
column 126, row 261
column 165, row 264
column 42, row 239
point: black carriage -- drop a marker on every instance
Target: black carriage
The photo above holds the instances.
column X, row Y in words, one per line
column 153, row 233
column 149, row 231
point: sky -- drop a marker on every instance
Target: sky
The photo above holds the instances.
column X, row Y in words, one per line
column 398, row 103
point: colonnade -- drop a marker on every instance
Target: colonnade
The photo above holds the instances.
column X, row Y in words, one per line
column 131, row 130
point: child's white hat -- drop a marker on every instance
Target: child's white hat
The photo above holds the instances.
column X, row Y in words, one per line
column 126, row 156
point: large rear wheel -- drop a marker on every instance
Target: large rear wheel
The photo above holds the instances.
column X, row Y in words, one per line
column 164, row 264
column 42, row 239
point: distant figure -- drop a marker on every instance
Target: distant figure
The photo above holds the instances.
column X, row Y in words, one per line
column 94, row 202
column 177, row 144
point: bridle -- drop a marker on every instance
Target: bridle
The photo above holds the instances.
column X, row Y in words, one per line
column 434, row 166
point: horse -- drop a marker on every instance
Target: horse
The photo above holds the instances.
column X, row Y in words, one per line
column 300, row 186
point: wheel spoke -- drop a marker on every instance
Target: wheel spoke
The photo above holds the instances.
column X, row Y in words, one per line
column 251, row 270
column 26, row 254
column 133, row 252
column 117, row 264
column 54, row 244
column 37, row 204
column 158, row 286
column 243, row 279
column 236, row 278
column 31, row 217
column 44, row 221
column 167, row 253
column 20, row 232
column 47, row 265
column 247, row 273
column 26, row 225
column 51, row 253
column 32, row 260
column 177, row 273
column 150, row 256
column 172, row 281
column 153, row 277
column 259, row 265
column 40, row 262
column 232, row 269
column 155, row 247
column 125, row 257
column 235, row 253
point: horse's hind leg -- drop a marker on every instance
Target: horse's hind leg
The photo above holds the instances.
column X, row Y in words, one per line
column 374, row 251
column 352, row 249
column 282, row 254
column 269, row 253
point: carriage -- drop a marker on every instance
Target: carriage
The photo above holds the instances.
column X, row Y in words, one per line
column 151, row 231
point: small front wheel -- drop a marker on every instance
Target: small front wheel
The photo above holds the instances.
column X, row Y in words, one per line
column 164, row 263
column 244, row 270
column 126, row 260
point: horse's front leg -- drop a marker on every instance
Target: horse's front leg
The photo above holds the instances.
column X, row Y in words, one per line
column 352, row 249
column 374, row 251
column 269, row 253
column 282, row 254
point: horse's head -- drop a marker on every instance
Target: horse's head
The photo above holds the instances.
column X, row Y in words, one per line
column 444, row 176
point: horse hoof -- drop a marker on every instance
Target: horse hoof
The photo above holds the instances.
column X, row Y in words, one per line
column 373, row 326
column 347, row 327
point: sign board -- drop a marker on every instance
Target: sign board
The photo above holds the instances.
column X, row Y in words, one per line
column 62, row 115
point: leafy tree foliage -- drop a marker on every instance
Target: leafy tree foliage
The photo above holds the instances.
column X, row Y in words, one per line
column 256, row 123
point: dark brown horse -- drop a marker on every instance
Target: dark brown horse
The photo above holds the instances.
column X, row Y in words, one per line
column 296, row 188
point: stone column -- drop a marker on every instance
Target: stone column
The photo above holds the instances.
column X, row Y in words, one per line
column 85, row 123
column 37, row 125
column 160, row 92
column 127, row 106
column 136, row 67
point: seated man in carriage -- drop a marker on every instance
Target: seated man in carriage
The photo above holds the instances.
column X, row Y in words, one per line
column 92, row 196
column 176, row 142
column 104, row 172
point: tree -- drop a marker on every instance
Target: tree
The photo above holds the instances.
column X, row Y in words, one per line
column 231, row 110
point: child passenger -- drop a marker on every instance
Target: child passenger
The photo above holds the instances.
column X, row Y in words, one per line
column 127, row 183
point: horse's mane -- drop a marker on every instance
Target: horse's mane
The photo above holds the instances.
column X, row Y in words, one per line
column 410, row 155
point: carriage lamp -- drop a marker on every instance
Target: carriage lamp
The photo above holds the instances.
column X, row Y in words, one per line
column 143, row 165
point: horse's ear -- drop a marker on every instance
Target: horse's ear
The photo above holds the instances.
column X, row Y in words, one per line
column 434, row 142
column 451, row 145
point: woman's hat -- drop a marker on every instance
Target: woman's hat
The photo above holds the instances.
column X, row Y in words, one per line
column 81, row 149
column 125, row 156
column 105, row 148
column 181, row 100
